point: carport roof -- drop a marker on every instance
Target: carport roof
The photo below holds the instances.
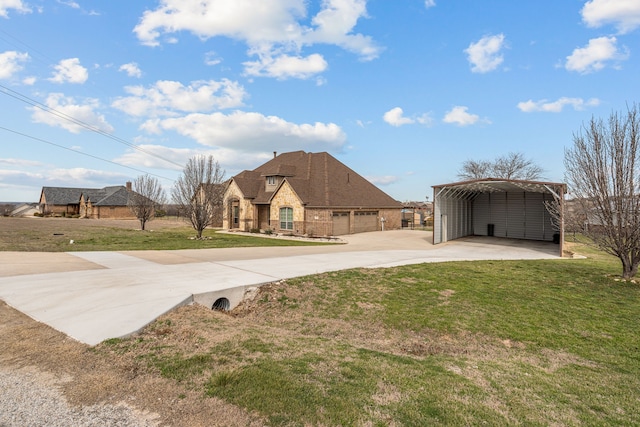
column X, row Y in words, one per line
column 493, row 185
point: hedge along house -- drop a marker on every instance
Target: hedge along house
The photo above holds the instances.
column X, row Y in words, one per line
column 497, row 207
column 310, row 194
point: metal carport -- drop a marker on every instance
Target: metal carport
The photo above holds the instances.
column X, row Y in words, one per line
column 497, row 207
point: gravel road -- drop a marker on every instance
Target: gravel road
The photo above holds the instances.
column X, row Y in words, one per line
column 33, row 398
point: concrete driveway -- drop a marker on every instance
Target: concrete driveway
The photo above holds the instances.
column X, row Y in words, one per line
column 93, row 296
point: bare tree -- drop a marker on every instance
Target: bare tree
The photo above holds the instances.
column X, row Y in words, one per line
column 146, row 197
column 603, row 173
column 516, row 166
column 199, row 191
column 475, row 169
column 510, row 166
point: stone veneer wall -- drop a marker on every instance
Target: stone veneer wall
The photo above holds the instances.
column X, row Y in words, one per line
column 286, row 197
column 247, row 210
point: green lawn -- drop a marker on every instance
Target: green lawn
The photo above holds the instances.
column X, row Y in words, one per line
column 56, row 236
column 465, row 343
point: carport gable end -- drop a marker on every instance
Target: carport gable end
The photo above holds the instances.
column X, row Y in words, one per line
column 495, row 207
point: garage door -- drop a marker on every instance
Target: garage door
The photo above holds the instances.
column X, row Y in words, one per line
column 365, row 221
column 340, row 223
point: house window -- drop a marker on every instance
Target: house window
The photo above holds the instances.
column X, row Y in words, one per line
column 271, row 180
column 236, row 216
column 286, row 218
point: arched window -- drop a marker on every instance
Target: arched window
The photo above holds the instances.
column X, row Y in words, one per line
column 286, row 218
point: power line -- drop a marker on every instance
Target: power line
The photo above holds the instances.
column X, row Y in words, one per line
column 23, row 98
column 83, row 153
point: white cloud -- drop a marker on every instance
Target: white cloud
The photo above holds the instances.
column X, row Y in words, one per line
column 544, row 105
column 211, row 58
column 624, row 14
column 285, row 66
column 131, row 69
column 71, row 4
column 382, row 180
column 17, row 5
column 595, row 55
column 167, row 97
column 252, row 132
column 228, row 158
column 69, row 71
column 67, row 107
column 458, row 115
column 395, row 117
column 29, row 81
column 485, row 54
column 425, row 119
column 86, row 176
column 270, row 28
column 429, row 3
column 334, row 24
column 11, row 62
column 20, row 162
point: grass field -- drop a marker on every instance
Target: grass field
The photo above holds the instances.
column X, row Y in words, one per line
column 55, row 235
column 469, row 343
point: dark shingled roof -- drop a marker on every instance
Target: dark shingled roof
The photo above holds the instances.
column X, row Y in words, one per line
column 319, row 180
column 108, row 196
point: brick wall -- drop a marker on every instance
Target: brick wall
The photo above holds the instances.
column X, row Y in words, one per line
column 319, row 222
column 392, row 218
column 110, row 212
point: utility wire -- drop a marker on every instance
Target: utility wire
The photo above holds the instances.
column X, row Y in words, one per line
column 23, row 98
column 83, row 153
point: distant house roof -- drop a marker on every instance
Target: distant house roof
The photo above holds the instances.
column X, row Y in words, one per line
column 108, row 196
column 319, row 180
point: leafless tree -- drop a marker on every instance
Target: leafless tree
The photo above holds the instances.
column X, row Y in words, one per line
column 567, row 215
column 603, row 172
column 199, row 191
column 510, row 166
column 475, row 169
column 146, row 197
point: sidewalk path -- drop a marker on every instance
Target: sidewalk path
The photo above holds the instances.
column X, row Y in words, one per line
column 93, row 296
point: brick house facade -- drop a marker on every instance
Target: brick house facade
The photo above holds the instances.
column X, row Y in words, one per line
column 310, row 194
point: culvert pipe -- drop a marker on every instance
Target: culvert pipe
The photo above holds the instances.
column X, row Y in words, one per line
column 221, row 304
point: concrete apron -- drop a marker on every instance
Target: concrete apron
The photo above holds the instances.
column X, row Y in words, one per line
column 129, row 293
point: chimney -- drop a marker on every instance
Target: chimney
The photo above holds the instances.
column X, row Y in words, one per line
column 275, row 154
column 128, row 185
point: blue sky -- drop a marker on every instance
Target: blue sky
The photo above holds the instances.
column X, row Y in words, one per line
column 95, row 93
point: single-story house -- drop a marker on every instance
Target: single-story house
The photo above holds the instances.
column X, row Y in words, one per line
column 108, row 202
column 310, row 194
column 497, row 207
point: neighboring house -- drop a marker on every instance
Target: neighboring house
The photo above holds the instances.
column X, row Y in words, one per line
column 214, row 196
column 107, row 202
column 310, row 194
